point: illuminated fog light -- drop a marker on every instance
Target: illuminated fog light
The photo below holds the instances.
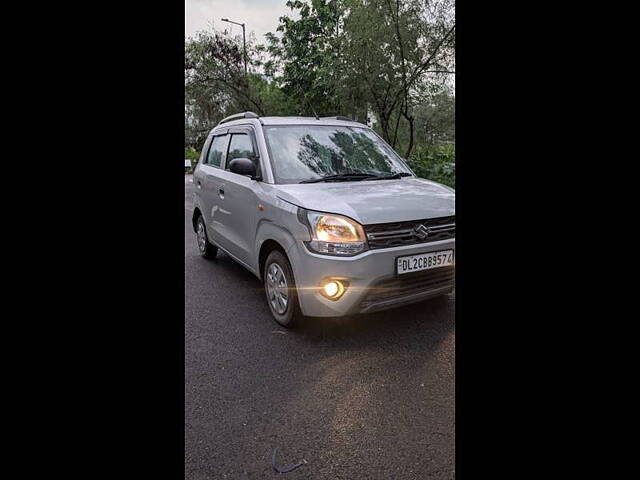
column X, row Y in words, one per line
column 332, row 289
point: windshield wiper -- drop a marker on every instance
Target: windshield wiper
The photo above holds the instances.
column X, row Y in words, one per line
column 340, row 176
column 393, row 176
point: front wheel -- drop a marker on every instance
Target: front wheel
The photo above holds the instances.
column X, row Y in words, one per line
column 206, row 249
column 280, row 289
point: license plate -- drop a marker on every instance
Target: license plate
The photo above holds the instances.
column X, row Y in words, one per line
column 424, row 261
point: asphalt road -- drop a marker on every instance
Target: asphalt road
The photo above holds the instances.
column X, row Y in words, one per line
column 369, row 396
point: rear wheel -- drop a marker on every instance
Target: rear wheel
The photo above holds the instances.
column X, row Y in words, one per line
column 280, row 289
column 207, row 250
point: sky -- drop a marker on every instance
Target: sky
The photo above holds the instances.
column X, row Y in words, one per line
column 259, row 16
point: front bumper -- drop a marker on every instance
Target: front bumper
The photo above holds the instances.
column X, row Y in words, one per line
column 372, row 271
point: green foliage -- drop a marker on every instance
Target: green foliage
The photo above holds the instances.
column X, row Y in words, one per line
column 435, row 162
column 435, row 120
column 192, row 154
column 273, row 99
column 387, row 63
column 216, row 85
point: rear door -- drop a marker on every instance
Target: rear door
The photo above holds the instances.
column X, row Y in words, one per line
column 208, row 181
column 239, row 198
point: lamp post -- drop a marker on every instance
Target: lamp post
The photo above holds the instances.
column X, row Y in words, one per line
column 244, row 41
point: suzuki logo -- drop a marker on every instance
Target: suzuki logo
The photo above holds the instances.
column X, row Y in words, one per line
column 421, row 231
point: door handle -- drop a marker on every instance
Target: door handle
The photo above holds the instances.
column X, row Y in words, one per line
column 198, row 184
column 221, row 192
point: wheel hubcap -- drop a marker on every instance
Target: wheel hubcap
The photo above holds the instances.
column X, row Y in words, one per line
column 202, row 237
column 277, row 290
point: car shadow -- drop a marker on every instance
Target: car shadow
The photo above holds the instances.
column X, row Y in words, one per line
column 420, row 326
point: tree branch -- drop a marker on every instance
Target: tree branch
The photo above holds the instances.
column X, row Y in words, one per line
column 414, row 76
column 239, row 92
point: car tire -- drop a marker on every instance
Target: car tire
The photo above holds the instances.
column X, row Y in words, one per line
column 206, row 249
column 278, row 280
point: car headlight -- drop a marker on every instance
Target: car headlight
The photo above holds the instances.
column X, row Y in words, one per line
column 333, row 234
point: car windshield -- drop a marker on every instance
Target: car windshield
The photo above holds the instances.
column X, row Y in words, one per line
column 307, row 152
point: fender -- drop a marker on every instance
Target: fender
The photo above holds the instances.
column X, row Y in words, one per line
column 268, row 230
column 281, row 225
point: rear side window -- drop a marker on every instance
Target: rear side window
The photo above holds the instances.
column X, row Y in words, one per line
column 214, row 158
column 240, row 146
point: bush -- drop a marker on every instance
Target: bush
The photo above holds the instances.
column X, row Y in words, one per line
column 435, row 162
column 192, row 154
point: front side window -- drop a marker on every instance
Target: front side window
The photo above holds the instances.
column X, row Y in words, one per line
column 214, row 158
column 307, row 152
column 240, row 146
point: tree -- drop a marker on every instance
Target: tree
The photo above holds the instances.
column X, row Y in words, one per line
column 435, row 119
column 401, row 50
column 216, row 84
column 360, row 56
column 305, row 55
column 384, row 62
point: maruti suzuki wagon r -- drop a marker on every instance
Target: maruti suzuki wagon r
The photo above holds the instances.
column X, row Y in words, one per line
column 325, row 213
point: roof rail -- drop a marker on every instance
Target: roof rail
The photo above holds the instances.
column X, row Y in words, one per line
column 339, row 117
column 238, row 116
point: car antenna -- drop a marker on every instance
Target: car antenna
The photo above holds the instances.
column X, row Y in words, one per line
column 309, row 103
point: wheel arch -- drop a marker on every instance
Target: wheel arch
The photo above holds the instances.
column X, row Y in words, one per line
column 269, row 236
column 268, row 246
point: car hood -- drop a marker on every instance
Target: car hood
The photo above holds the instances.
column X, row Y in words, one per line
column 378, row 201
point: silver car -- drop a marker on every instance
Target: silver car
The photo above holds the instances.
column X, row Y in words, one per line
column 325, row 213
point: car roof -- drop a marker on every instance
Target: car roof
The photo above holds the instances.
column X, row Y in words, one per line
column 275, row 121
column 306, row 121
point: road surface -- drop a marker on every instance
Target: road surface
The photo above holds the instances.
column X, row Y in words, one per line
column 369, row 396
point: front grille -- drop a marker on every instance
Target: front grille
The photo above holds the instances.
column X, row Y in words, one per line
column 386, row 235
column 409, row 284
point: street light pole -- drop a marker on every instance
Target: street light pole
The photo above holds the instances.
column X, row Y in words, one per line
column 244, row 45
column 244, row 41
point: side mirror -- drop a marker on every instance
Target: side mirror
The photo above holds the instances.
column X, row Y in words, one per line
column 243, row 166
